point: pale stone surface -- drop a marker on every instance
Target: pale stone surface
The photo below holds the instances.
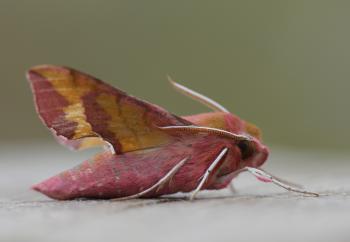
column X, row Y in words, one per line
column 258, row 212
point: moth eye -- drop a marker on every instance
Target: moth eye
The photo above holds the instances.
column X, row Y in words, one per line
column 245, row 148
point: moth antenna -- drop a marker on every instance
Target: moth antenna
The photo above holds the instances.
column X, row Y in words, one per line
column 266, row 177
column 207, row 173
column 161, row 182
column 197, row 96
column 208, row 130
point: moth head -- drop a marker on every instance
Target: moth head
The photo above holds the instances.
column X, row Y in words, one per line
column 252, row 130
column 253, row 152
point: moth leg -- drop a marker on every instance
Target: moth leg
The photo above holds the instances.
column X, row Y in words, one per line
column 198, row 97
column 232, row 188
column 266, row 177
column 207, row 173
column 289, row 183
column 161, row 182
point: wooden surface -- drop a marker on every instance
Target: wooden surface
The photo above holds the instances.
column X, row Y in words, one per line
column 257, row 212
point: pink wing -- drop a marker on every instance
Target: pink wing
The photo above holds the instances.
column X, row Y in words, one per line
column 75, row 105
column 114, row 176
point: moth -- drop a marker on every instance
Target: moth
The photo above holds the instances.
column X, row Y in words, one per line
column 149, row 152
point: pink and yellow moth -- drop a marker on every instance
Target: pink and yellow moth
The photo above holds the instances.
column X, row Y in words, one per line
column 149, row 151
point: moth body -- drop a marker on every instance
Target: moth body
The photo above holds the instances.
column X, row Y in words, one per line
column 151, row 151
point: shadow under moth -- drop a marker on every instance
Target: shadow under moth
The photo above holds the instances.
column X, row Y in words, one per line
column 149, row 152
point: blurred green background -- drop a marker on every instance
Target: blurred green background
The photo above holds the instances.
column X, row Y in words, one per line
column 283, row 65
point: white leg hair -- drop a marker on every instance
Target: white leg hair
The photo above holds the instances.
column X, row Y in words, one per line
column 197, row 96
column 266, row 177
column 161, row 182
column 207, row 173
